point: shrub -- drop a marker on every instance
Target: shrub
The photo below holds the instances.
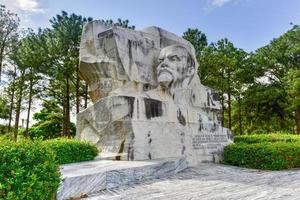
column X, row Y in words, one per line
column 3, row 129
column 70, row 150
column 50, row 129
column 49, row 123
column 271, row 156
column 28, row 170
column 250, row 139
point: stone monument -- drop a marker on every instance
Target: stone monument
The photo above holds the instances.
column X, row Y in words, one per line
column 148, row 102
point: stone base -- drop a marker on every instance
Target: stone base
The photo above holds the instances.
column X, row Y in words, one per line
column 80, row 179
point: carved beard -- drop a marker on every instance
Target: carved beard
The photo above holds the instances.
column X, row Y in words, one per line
column 165, row 78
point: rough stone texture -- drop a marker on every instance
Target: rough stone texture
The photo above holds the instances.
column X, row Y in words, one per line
column 212, row 182
column 148, row 99
column 87, row 177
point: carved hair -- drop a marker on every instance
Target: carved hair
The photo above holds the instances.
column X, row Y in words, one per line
column 190, row 61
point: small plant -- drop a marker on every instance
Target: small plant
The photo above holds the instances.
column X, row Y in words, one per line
column 70, row 150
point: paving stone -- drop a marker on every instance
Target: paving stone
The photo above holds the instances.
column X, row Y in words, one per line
column 213, row 182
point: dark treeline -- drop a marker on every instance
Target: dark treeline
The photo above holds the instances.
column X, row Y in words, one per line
column 260, row 91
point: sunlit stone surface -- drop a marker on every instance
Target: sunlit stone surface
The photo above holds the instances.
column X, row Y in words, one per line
column 81, row 179
column 148, row 99
column 212, row 182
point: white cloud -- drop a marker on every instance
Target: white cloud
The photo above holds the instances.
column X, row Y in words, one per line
column 27, row 11
column 219, row 3
column 29, row 6
column 26, row 6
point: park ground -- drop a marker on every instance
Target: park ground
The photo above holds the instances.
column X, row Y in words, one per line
column 213, row 182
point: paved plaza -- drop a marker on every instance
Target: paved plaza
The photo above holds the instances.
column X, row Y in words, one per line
column 212, row 182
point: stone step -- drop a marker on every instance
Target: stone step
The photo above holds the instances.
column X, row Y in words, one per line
column 80, row 179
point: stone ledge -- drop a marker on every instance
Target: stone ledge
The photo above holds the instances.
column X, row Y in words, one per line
column 79, row 179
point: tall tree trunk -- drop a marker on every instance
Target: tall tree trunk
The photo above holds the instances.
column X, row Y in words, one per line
column 29, row 107
column 0, row 67
column 229, row 110
column 77, row 89
column 64, row 121
column 12, row 100
column 17, row 118
column 297, row 113
column 240, row 116
column 86, row 95
column 66, row 126
column 229, row 99
column 1, row 61
column 11, row 108
column 18, row 107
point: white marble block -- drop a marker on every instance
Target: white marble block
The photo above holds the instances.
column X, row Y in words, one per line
column 148, row 102
column 81, row 179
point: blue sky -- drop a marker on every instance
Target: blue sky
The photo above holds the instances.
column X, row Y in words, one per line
column 249, row 24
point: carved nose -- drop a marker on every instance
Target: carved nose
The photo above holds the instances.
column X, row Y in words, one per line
column 163, row 65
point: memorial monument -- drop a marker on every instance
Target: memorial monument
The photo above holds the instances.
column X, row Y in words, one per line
column 148, row 102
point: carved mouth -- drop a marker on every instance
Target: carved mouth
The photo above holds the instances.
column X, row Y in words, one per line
column 165, row 71
column 165, row 78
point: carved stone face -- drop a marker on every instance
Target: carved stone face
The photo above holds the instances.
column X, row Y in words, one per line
column 174, row 66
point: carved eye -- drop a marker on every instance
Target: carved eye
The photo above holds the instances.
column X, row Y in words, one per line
column 174, row 58
column 160, row 60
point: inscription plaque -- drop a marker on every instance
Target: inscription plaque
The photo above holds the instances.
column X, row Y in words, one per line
column 198, row 140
